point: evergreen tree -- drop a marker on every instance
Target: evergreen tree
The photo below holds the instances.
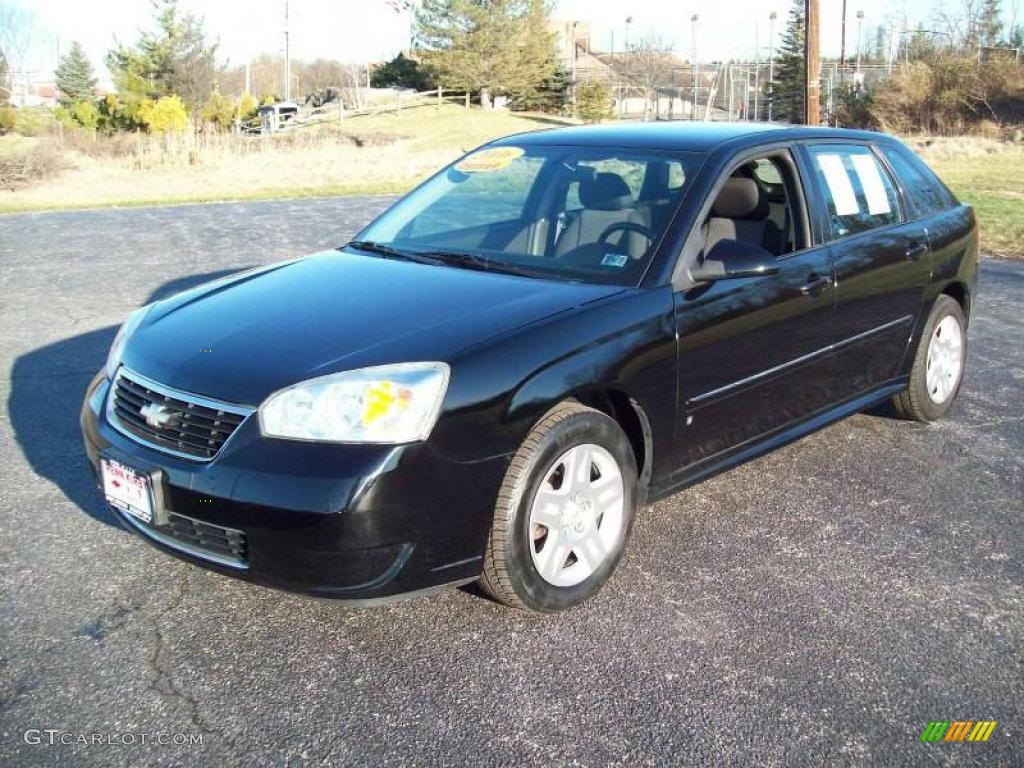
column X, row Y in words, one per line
column 175, row 59
column 5, row 78
column 74, row 77
column 788, row 92
column 990, row 23
column 550, row 96
column 403, row 72
column 488, row 46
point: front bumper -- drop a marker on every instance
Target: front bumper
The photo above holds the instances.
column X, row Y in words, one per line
column 355, row 522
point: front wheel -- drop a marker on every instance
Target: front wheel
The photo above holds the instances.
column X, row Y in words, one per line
column 938, row 367
column 564, row 512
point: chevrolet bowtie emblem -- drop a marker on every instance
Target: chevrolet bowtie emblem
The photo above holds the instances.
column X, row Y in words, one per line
column 156, row 415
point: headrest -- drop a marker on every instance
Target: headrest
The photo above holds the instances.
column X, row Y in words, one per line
column 606, row 192
column 740, row 198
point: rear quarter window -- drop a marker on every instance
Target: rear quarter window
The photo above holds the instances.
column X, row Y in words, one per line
column 924, row 192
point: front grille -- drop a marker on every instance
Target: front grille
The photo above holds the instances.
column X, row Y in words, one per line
column 225, row 546
column 188, row 425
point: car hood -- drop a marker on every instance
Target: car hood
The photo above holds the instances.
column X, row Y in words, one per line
column 241, row 338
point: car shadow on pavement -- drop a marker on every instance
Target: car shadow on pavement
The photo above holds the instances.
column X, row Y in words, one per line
column 47, row 387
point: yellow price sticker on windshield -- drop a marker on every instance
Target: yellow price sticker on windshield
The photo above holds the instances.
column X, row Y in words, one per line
column 489, row 160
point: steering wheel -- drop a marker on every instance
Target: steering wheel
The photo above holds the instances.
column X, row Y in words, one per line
column 626, row 226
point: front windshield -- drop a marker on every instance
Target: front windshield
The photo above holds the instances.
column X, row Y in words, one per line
column 592, row 214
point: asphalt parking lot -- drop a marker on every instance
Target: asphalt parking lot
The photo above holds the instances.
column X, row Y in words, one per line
column 821, row 604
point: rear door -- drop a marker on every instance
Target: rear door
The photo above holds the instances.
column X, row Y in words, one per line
column 881, row 261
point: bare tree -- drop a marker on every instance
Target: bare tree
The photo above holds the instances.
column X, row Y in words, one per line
column 648, row 65
column 354, row 81
column 320, row 74
column 16, row 27
column 962, row 26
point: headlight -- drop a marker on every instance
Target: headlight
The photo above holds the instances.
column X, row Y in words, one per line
column 385, row 404
column 127, row 329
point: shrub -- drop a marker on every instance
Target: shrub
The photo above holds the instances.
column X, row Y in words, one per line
column 31, row 121
column 988, row 129
column 947, row 93
column 593, row 102
column 219, row 111
column 854, row 107
column 116, row 114
column 23, row 167
column 85, row 114
column 165, row 115
column 248, row 107
column 7, row 118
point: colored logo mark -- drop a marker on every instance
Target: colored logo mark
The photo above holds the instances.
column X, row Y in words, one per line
column 958, row 730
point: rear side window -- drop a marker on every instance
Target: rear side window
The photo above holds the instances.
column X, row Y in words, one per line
column 859, row 193
column 923, row 191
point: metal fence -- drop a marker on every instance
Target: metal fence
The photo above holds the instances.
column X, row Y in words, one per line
column 725, row 91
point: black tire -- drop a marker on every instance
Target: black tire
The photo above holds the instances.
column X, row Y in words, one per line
column 509, row 573
column 914, row 402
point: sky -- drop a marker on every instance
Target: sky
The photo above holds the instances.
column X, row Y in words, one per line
column 361, row 30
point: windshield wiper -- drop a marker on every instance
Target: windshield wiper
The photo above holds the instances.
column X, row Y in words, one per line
column 439, row 257
column 472, row 261
column 386, row 250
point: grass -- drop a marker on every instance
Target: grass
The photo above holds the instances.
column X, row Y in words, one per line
column 416, row 143
column 14, row 143
column 988, row 175
column 401, row 150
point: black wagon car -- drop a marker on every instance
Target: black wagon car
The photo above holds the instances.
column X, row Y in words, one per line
column 501, row 369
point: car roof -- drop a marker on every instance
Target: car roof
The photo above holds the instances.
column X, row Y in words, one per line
column 680, row 135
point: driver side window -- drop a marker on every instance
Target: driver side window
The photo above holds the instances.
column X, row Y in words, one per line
column 756, row 207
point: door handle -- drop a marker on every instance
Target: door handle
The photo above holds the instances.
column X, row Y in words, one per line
column 815, row 285
column 916, row 251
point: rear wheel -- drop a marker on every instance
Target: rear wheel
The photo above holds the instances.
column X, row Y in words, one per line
column 938, row 367
column 564, row 512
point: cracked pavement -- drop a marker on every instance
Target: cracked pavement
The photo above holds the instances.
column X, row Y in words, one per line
column 820, row 604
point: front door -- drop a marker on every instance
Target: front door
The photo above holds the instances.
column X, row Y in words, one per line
column 754, row 351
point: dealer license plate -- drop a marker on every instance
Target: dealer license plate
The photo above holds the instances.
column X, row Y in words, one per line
column 127, row 490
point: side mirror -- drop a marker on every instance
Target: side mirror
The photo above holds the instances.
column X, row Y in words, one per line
column 730, row 259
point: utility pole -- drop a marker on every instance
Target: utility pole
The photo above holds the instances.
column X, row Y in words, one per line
column 860, row 28
column 842, row 48
column 893, row 46
column 573, row 53
column 812, row 57
column 287, row 58
column 572, row 78
column 248, row 77
column 696, row 67
column 771, row 62
column 757, row 68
